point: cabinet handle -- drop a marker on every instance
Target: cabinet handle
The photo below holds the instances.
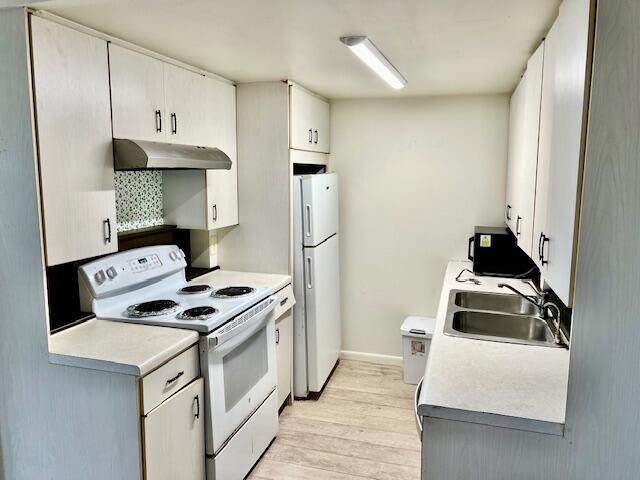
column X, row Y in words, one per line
column 310, row 135
column 158, row 121
column 174, row 123
column 316, row 134
column 508, row 213
column 545, row 239
column 540, row 245
column 284, row 301
column 171, row 380
column 214, row 210
column 518, row 225
column 196, row 399
column 107, row 228
column 277, row 336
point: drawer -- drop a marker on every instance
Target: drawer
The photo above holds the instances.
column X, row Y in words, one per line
column 169, row 378
column 286, row 300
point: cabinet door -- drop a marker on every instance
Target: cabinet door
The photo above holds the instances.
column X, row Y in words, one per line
column 284, row 354
column 514, row 165
column 526, row 183
column 174, row 436
column 544, row 143
column 186, row 109
column 309, row 121
column 137, row 95
column 222, row 185
column 71, row 81
column 565, row 169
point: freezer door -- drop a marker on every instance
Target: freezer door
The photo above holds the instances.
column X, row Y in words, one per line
column 319, row 208
column 322, row 296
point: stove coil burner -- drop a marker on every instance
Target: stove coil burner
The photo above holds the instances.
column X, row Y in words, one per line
column 193, row 289
column 232, row 292
column 153, row 308
column 197, row 313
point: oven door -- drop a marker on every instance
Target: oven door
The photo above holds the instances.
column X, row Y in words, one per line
column 239, row 364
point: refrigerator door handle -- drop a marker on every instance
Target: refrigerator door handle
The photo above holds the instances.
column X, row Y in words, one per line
column 309, row 273
column 308, row 211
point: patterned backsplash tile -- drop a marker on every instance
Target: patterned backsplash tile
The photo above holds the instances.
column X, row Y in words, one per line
column 138, row 199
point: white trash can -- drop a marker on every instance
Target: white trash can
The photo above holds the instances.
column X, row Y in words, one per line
column 416, row 339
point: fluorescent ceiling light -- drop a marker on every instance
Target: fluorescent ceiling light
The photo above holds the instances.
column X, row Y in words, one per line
column 375, row 60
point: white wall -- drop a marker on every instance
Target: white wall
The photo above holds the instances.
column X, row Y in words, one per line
column 416, row 175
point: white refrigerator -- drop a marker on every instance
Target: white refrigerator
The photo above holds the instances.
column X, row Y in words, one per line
column 316, row 282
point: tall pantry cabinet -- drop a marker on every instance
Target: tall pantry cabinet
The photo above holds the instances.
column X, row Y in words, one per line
column 279, row 124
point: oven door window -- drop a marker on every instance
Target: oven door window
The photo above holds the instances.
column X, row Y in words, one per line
column 243, row 368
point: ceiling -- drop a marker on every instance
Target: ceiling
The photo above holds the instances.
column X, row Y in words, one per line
column 442, row 47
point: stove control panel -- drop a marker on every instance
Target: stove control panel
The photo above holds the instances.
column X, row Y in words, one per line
column 144, row 264
column 129, row 270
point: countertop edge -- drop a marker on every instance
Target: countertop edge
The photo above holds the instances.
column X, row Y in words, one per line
column 94, row 364
column 492, row 419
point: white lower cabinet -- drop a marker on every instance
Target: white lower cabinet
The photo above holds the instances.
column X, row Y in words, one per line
column 174, row 444
column 284, row 355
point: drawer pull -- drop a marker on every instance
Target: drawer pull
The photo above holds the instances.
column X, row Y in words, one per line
column 171, row 380
column 286, row 299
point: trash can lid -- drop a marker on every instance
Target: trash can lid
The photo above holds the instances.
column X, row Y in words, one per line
column 415, row 326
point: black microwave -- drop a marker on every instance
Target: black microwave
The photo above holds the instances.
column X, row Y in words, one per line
column 494, row 251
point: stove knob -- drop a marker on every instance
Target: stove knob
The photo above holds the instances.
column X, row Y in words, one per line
column 100, row 277
column 112, row 273
column 173, row 256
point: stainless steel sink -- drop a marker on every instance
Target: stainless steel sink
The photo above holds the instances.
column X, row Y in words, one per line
column 495, row 302
column 496, row 317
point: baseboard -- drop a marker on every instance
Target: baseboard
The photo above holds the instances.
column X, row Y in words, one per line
column 371, row 357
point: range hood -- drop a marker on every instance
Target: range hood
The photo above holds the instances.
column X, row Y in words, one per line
column 141, row 155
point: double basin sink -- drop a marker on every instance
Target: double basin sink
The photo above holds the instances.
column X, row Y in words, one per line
column 496, row 317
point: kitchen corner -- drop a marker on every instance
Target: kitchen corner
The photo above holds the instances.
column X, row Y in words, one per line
column 500, row 384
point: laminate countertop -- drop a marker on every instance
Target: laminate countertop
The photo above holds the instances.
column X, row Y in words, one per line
column 229, row 277
column 134, row 349
column 118, row 347
column 493, row 383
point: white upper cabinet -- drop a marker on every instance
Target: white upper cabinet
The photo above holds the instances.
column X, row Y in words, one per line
column 207, row 200
column 524, row 122
column 560, row 186
column 222, row 185
column 186, row 107
column 73, row 111
column 544, row 143
column 309, row 121
column 529, row 161
column 137, row 96
column 158, row 101
column 515, row 154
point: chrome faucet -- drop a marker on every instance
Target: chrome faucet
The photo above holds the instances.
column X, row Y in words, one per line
column 540, row 301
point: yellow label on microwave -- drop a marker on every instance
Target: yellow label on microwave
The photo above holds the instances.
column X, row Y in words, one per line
column 485, row 240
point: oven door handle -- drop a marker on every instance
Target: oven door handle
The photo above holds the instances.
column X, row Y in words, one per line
column 222, row 342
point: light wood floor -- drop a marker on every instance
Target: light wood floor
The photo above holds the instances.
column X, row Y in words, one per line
column 361, row 427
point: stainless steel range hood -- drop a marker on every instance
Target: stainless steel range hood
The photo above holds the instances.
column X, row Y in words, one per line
column 141, row 155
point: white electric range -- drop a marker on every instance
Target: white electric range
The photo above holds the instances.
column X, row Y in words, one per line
column 237, row 342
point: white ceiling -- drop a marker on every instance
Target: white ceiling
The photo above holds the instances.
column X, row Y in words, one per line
column 442, row 47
